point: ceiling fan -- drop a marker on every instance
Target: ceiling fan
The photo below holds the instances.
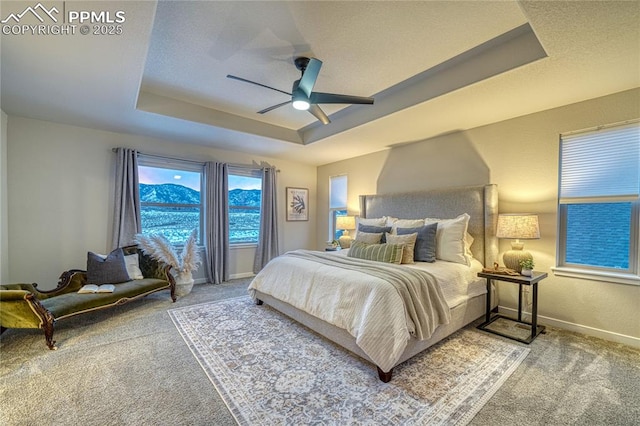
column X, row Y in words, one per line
column 302, row 95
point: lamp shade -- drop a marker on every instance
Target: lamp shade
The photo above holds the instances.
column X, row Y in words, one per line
column 518, row 226
column 346, row 222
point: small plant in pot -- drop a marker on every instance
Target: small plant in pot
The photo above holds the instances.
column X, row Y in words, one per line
column 527, row 267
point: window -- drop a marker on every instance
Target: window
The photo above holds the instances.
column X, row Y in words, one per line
column 170, row 202
column 337, row 203
column 598, row 204
column 245, row 198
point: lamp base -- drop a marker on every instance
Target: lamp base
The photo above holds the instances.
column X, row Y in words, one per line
column 345, row 241
column 512, row 259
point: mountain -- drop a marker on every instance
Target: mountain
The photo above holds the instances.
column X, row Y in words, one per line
column 168, row 193
column 245, row 197
column 178, row 194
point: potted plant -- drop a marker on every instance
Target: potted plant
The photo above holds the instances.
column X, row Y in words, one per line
column 158, row 247
column 527, row 267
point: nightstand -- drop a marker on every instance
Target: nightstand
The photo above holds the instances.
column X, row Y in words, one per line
column 520, row 280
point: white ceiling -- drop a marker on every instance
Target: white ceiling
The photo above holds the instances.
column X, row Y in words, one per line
column 433, row 67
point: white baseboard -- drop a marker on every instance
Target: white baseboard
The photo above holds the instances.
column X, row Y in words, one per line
column 241, row 275
column 231, row 277
column 578, row 328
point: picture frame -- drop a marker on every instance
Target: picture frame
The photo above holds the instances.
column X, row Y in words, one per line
column 297, row 204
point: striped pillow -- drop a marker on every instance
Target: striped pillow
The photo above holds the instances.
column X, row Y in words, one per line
column 389, row 253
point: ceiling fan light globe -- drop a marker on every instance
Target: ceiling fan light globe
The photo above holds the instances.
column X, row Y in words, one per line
column 301, row 104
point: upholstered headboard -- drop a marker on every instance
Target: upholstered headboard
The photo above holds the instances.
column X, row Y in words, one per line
column 480, row 202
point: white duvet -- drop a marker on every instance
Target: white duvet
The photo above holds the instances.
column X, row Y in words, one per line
column 367, row 307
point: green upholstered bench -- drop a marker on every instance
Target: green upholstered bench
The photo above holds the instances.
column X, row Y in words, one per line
column 24, row 306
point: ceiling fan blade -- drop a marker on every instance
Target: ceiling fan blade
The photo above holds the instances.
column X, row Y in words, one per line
column 319, row 114
column 333, row 98
column 309, row 76
column 271, row 108
column 257, row 84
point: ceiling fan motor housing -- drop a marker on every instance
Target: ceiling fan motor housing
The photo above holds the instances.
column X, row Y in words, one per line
column 301, row 63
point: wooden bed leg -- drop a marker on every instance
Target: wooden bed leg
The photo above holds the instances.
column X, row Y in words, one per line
column 385, row 377
column 259, row 302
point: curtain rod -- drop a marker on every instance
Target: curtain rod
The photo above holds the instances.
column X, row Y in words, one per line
column 162, row 157
column 600, row 127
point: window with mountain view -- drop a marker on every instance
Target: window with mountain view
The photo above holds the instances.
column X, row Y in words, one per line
column 170, row 201
column 245, row 197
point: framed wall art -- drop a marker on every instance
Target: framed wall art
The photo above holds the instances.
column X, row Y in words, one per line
column 297, row 204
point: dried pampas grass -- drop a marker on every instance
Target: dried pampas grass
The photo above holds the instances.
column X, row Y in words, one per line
column 158, row 247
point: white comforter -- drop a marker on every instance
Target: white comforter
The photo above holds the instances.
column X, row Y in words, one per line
column 366, row 306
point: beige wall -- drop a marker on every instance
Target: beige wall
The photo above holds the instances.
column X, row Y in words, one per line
column 60, row 196
column 4, row 226
column 521, row 157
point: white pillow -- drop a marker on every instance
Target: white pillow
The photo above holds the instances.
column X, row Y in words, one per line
column 468, row 241
column 390, row 220
column 380, row 221
column 450, row 239
column 407, row 223
column 132, row 264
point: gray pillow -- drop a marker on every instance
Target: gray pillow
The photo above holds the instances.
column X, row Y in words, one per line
column 375, row 230
column 425, row 249
column 110, row 270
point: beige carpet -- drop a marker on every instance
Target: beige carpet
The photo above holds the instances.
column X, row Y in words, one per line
column 129, row 366
column 271, row 370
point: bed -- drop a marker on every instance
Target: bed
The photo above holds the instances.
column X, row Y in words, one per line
column 333, row 293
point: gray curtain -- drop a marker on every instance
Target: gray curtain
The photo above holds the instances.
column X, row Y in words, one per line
column 126, row 216
column 268, row 240
column 216, row 207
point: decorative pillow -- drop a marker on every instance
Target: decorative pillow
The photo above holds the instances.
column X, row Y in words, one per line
column 389, row 253
column 132, row 264
column 375, row 230
column 110, row 270
column 407, row 223
column 369, row 238
column 380, row 221
column 450, row 236
column 409, row 242
column 468, row 241
column 425, row 249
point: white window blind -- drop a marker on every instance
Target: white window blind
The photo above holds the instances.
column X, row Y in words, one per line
column 338, row 191
column 603, row 164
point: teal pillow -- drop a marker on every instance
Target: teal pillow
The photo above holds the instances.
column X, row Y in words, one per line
column 388, row 253
column 375, row 230
column 425, row 248
column 109, row 270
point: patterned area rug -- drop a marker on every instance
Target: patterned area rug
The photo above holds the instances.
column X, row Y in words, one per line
column 271, row 370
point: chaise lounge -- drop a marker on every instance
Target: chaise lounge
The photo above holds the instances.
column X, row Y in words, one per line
column 24, row 306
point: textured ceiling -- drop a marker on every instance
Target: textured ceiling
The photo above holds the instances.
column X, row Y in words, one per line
column 165, row 76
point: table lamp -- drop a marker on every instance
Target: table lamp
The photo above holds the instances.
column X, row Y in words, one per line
column 346, row 223
column 519, row 226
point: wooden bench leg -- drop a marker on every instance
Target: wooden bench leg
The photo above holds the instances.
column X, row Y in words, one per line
column 48, row 334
